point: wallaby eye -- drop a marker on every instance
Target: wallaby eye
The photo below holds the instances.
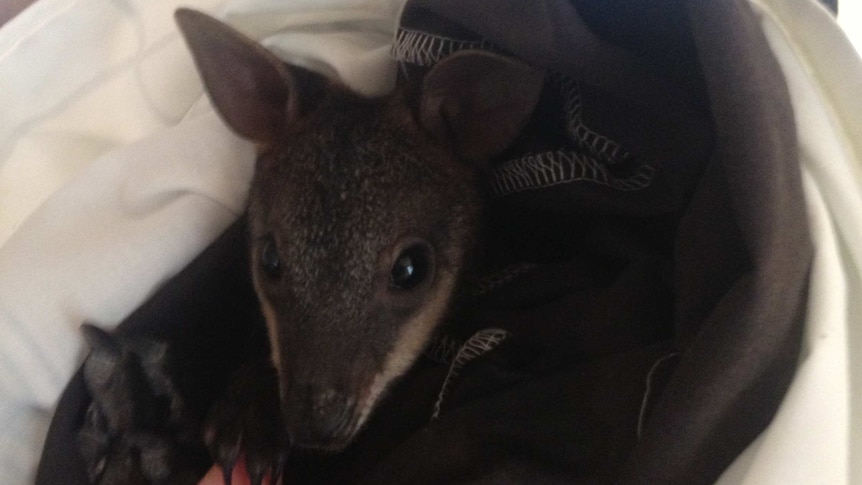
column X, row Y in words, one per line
column 270, row 261
column 411, row 268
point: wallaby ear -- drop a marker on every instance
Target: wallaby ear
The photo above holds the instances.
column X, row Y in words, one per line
column 253, row 90
column 105, row 355
column 100, row 340
column 479, row 102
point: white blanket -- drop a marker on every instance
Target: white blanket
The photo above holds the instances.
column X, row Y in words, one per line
column 110, row 183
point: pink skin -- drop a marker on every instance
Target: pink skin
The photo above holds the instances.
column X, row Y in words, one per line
column 239, row 477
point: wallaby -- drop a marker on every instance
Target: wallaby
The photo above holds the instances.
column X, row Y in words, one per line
column 362, row 215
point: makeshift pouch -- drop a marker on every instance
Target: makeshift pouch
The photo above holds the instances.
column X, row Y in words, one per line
column 647, row 311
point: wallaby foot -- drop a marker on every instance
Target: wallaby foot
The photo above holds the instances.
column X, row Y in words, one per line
column 247, row 421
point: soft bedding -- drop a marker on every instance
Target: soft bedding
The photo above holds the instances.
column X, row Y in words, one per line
column 114, row 174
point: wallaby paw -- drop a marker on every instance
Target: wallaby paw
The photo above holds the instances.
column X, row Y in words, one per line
column 247, row 423
column 135, row 429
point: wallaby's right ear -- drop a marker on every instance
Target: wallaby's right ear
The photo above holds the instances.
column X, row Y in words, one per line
column 253, row 90
column 479, row 102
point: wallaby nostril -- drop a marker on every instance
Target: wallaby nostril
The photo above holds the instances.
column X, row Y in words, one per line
column 330, row 413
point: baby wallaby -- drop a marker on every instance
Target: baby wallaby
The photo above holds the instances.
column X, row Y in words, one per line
column 362, row 212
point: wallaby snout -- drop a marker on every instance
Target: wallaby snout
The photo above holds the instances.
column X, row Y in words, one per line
column 362, row 212
column 326, row 419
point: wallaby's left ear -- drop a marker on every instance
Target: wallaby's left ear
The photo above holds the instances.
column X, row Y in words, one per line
column 100, row 340
column 105, row 356
column 253, row 90
column 479, row 102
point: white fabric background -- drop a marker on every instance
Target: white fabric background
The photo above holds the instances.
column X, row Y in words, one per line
column 850, row 19
column 109, row 185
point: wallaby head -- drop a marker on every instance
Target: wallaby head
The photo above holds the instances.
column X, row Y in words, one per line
column 361, row 211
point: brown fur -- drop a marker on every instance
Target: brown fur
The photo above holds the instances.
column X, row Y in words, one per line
column 343, row 185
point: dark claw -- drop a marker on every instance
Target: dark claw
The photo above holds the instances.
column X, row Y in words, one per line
column 228, row 453
column 277, row 468
column 247, row 421
column 226, row 456
column 227, row 473
column 223, row 442
column 224, row 453
column 261, row 463
column 275, row 474
column 256, row 470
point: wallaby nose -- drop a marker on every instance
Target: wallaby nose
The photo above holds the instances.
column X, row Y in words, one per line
column 329, row 412
column 323, row 419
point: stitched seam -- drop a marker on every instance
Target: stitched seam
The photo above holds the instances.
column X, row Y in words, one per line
column 479, row 344
column 534, row 171
column 648, row 391
column 443, row 349
column 598, row 145
column 425, row 49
